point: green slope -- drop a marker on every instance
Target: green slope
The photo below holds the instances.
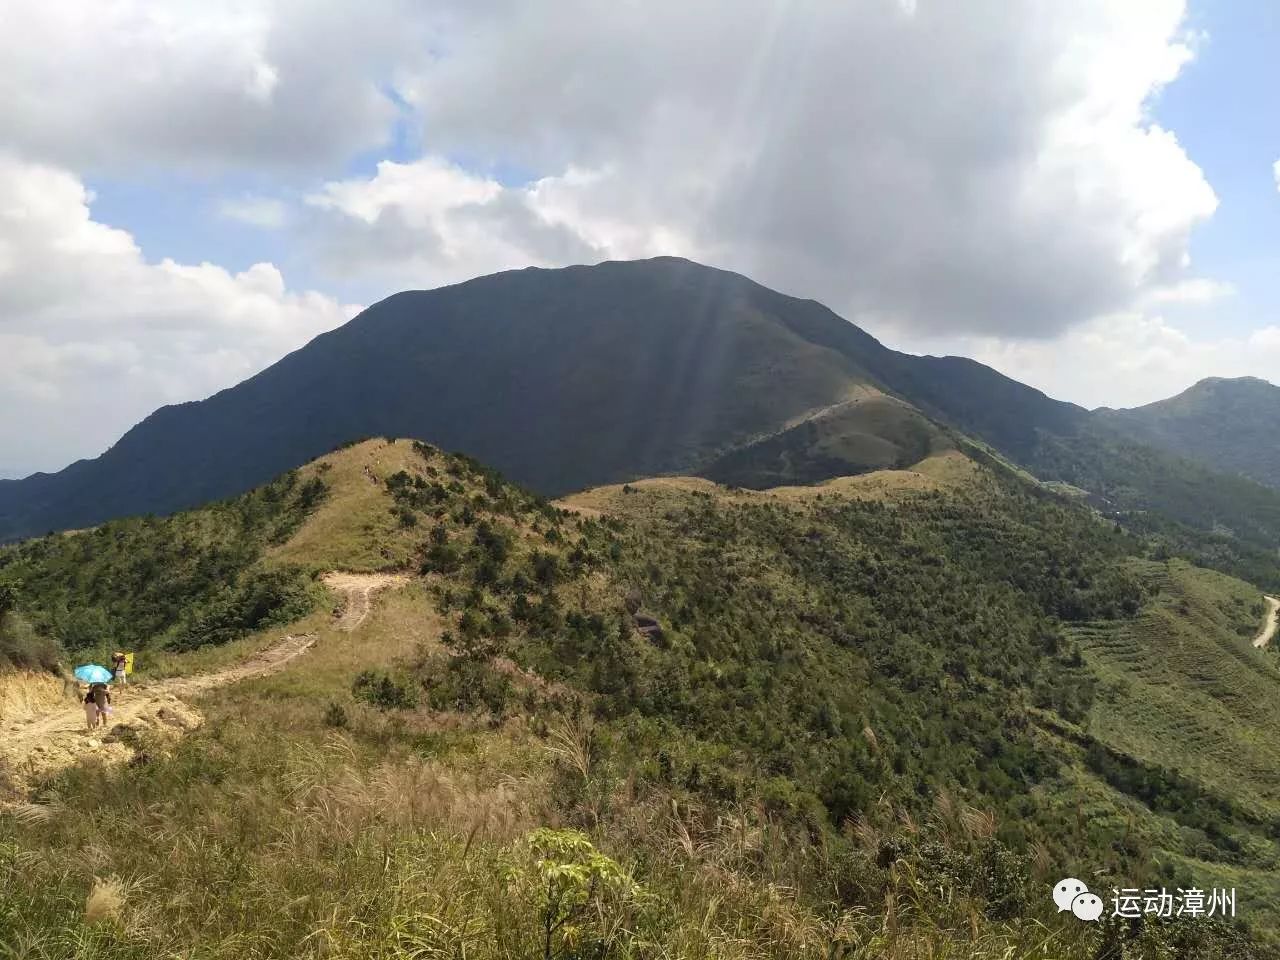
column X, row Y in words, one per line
column 175, row 583
column 565, row 379
column 1226, row 424
column 886, row 714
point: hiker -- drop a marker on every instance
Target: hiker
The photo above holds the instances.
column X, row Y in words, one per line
column 120, row 667
column 102, row 702
column 90, row 710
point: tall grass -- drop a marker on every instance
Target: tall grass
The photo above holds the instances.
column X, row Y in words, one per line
column 271, row 836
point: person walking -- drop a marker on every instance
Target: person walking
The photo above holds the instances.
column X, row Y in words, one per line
column 90, row 710
column 120, row 667
column 102, row 701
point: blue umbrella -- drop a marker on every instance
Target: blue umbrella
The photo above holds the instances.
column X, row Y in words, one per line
column 92, row 673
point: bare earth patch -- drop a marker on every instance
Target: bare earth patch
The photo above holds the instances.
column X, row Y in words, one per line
column 34, row 745
column 358, row 589
column 1269, row 627
column 43, row 727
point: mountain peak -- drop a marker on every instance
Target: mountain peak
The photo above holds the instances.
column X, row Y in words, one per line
column 1230, row 383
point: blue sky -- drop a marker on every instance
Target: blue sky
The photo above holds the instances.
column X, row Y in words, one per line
column 1223, row 109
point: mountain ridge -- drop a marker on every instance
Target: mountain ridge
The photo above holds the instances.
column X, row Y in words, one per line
column 1227, row 422
column 570, row 378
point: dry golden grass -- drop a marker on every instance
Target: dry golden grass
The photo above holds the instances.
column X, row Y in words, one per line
column 950, row 470
column 161, row 664
column 105, row 901
column 26, row 693
column 267, row 835
column 354, row 528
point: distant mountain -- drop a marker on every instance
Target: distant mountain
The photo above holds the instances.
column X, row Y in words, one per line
column 1228, row 424
column 565, row 379
column 560, row 378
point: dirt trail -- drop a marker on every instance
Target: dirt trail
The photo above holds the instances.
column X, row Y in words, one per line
column 35, row 743
column 359, row 589
column 1269, row 628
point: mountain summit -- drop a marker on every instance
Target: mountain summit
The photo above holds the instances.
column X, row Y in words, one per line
column 561, row 378
column 570, row 378
column 1228, row 422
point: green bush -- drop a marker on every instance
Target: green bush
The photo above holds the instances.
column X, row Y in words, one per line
column 384, row 692
column 22, row 646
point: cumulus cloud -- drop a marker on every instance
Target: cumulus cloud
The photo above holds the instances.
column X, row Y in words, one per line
column 432, row 222
column 931, row 167
column 1124, row 359
column 200, row 85
column 94, row 336
column 925, row 166
column 986, row 172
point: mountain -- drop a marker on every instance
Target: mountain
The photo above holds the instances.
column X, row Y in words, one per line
column 560, row 378
column 1228, row 424
column 566, row 379
column 886, row 713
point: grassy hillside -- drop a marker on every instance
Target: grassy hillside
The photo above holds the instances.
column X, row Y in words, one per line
column 560, row 378
column 1225, row 424
column 869, row 432
column 1223, row 521
column 176, row 582
column 565, row 379
column 876, row 718
column 1182, row 731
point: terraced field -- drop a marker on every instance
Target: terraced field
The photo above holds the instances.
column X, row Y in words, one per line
column 1182, row 686
column 1185, row 698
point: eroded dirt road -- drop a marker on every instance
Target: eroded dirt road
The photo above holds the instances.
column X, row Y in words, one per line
column 1269, row 627
column 52, row 734
column 358, row 590
column 35, row 745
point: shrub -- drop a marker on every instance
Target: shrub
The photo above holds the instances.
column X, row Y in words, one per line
column 383, row 691
column 22, row 646
column 335, row 715
column 581, row 897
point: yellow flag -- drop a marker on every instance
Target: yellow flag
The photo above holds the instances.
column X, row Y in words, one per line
column 128, row 663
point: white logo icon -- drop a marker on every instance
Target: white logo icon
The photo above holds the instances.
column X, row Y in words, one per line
column 1087, row 906
column 1066, row 891
column 1072, row 894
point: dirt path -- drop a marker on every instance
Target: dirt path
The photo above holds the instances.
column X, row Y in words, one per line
column 36, row 745
column 1269, row 628
column 359, row 589
column 39, row 743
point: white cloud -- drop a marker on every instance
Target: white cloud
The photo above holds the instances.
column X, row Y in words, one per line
column 431, row 222
column 1196, row 290
column 927, row 167
column 265, row 212
column 200, row 85
column 983, row 172
column 1125, row 359
column 94, row 337
column 922, row 166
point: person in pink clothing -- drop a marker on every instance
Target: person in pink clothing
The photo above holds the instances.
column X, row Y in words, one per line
column 97, row 705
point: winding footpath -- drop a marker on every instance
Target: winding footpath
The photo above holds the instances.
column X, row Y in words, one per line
column 358, row 589
column 38, row 743
column 1269, row 628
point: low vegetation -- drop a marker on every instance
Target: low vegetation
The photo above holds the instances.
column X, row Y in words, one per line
column 176, row 583
column 700, row 724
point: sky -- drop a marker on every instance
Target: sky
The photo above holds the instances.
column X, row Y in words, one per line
column 1081, row 195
